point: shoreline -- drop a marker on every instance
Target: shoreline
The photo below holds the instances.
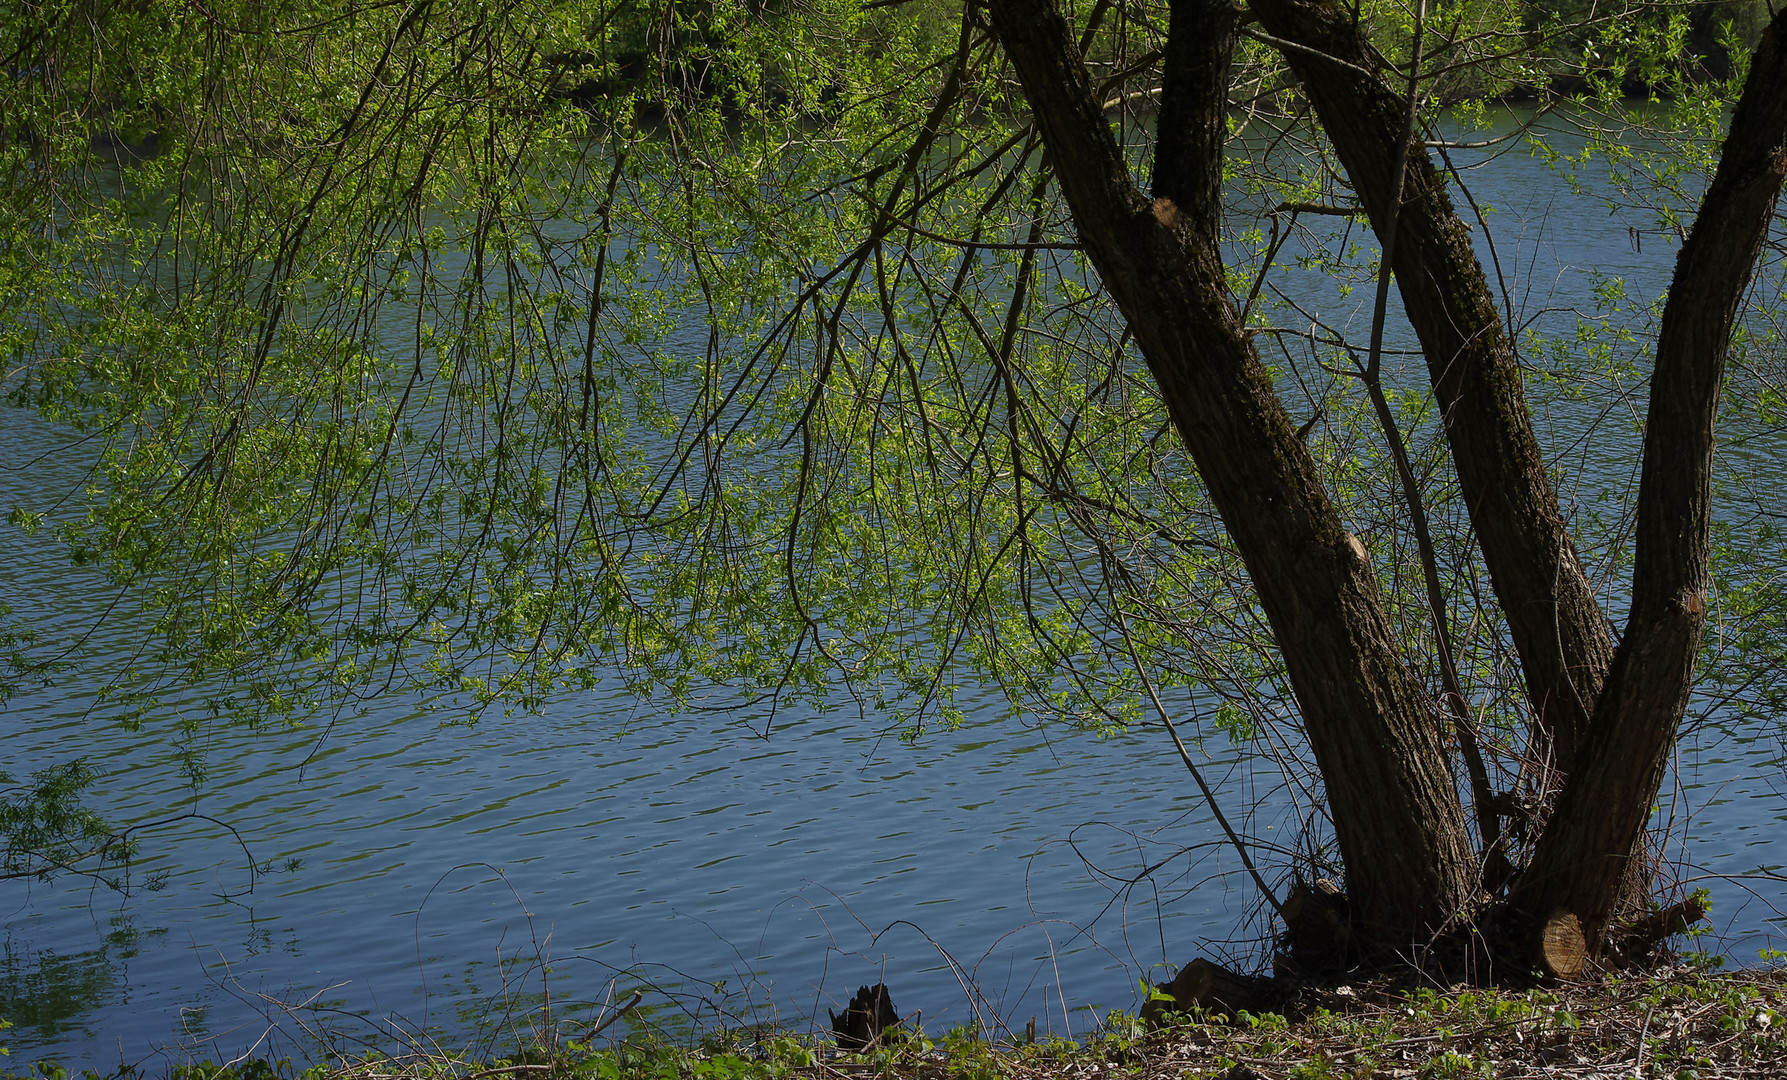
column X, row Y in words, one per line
column 1685, row 1022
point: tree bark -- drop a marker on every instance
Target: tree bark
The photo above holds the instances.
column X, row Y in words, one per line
column 1375, row 732
column 1315, row 923
column 1553, row 617
column 1582, row 857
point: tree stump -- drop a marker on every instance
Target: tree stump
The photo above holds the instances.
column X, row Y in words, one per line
column 862, row 1023
column 1317, row 934
column 1215, row 989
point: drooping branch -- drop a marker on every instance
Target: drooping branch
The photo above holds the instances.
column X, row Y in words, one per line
column 1581, row 859
column 1395, row 808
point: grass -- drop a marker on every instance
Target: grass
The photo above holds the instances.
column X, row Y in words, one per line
column 1684, row 1023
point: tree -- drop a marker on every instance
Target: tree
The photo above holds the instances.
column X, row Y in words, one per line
column 1607, row 716
column 468, row 347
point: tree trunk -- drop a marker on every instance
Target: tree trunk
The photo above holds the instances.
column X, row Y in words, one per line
column 1376, row 734
column 1553, row 617
column 1581, row 858
column 1193, row 124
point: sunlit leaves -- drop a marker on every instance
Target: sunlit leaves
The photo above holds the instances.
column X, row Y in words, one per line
column 738, row 352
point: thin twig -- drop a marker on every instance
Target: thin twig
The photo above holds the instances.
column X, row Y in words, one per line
column 1198, row 777
column 613, row 1016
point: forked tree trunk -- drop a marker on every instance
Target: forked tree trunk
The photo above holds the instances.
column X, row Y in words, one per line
column 1607, row 720
column 1555, row 622
column 1581, row 858
column 1610, row 720
column 1375, row 731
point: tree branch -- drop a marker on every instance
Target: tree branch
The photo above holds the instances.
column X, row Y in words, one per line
column 1395, row 807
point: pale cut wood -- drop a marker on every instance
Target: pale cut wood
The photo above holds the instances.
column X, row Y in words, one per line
column 1562, row 947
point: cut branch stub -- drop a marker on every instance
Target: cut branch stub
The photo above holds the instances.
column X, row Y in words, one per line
column 1637, row 941
column 1562, row 949
column 1317, row 934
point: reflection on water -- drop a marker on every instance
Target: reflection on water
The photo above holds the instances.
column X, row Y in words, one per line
column 52, row 996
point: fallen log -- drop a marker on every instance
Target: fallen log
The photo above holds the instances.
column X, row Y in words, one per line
column 1637, row 941
column 1213, row 988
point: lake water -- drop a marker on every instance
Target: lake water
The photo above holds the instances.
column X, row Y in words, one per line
column 450, row 879
column 444, row 866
